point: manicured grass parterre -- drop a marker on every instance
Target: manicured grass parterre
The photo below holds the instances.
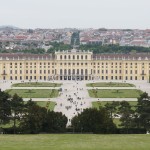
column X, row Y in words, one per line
column 109, row 84
column 102, row 103
column 36, row 84
column 123, row 93
column 35, row 93
column 49, row 105
column 75, row 142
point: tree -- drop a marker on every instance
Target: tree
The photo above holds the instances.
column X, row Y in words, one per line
column 33, row 119
column 93, row 120
column 143, row 111
column 17, row 108
column 55, row 122
column 5, row 109
column 126, row 114
column 37, row 119
column 112, row 108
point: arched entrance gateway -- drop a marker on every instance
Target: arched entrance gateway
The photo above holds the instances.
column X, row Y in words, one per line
column 74, row 64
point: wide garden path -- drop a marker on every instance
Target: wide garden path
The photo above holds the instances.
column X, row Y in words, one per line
column 73, row 99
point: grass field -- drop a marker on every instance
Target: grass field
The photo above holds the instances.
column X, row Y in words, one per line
column 123, row 93
column 74, row 142
column 35, row 93
column 109, row 84
column 102, row 103
column 36, row 84
column 50, row 105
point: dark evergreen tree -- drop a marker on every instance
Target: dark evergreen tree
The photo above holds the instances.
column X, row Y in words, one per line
column 5, row 108
column 143, row 111
column 126, row 115
column 17, row 109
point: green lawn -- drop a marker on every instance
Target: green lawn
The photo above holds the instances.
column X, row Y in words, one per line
column 109, row 84
column 102, row 103
column 123, row 93
column 50, row 105
column 75, row 142
column 36, row 84
column 35, row 93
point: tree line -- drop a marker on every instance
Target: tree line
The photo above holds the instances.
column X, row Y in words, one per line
column 135, row 120
column 30, row 118
column 96, row 49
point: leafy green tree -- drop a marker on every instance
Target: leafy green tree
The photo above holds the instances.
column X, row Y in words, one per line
column 37, row 119
column 17, row 109
column 143, row 111
column 93, row 120
column 112, row 108
column 126, row 115
column 32, row 121
column 5, row 109
column 55, row 122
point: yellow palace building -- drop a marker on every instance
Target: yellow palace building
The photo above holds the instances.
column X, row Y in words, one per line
column 74, row 65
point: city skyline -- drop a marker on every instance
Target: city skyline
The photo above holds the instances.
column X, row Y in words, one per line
column 113, row 14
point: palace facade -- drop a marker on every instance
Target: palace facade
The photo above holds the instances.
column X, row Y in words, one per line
column 74, row 65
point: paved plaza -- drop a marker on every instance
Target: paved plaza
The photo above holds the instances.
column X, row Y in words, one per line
column 74, row 97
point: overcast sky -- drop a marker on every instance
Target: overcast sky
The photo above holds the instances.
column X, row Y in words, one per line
column 76, row 13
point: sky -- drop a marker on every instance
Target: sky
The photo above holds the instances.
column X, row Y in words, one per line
column 113, row 14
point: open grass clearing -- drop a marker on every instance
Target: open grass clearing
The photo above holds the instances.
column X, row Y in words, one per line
column 75, row 142
column 123, row 93
column 34, row 93
column 110, row 84
column 36, row 84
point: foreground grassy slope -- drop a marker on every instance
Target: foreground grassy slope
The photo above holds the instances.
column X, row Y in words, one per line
column 74, row 142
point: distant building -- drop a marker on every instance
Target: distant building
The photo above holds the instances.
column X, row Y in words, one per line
column 74, row 65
